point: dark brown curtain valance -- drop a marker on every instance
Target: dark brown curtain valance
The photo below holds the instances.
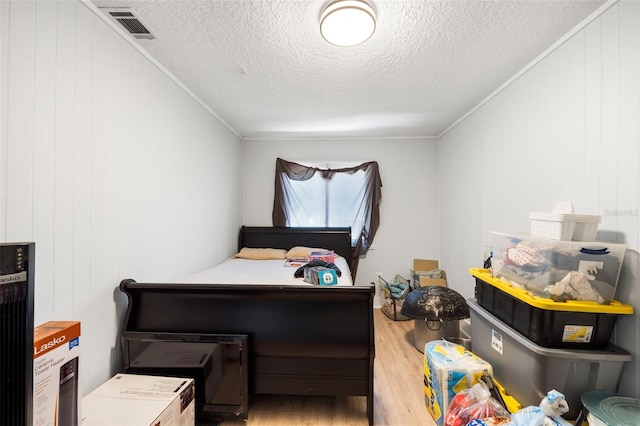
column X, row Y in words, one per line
column 369, row 205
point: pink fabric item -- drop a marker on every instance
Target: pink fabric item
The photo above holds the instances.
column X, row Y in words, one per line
column 527, row 253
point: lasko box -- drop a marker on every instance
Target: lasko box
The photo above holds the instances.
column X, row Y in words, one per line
column 56, row 350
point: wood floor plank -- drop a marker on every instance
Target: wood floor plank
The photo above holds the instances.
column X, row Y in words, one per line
column 398, row 390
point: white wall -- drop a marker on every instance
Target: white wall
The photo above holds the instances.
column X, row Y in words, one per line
column 409, row 208
column 109, row 166
column 568, row 129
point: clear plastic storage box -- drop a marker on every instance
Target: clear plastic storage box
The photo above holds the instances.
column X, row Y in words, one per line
column 560, row 270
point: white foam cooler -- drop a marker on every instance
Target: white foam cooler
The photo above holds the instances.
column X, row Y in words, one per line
column 528, row 371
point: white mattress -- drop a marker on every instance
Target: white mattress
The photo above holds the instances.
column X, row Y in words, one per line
column 244, row 271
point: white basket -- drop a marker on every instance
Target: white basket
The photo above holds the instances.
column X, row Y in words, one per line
column 586, row 231
column 564, row 227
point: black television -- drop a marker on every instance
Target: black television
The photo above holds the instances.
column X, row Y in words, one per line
column 218, row 363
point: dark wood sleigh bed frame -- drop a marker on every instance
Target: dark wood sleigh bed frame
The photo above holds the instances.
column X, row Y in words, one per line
column 302, row 339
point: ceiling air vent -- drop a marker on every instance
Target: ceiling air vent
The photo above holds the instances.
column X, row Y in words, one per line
column 130, row 21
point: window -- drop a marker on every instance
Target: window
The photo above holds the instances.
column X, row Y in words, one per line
column 329, row 194
column 325, row 202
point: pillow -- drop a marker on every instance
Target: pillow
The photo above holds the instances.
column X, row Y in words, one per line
column 261, row 253
column 302, row 251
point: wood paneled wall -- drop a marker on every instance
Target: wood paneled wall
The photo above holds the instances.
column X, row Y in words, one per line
column 566, row 129
column 109, row 165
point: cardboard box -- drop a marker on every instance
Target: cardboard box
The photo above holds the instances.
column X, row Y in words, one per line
column 139, row 400
column 423, row 265
column 56, row 351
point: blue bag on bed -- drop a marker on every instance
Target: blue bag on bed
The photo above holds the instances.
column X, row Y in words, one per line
column 320, row 275
column 316, row 262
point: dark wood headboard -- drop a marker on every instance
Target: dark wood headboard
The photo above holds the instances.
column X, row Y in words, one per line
column 336, row 239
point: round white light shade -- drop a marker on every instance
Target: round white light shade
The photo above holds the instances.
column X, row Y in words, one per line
column 347, row 22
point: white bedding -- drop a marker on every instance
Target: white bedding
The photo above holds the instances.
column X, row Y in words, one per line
column 245, row 271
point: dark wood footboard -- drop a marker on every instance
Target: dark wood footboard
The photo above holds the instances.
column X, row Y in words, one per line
column 302, row 340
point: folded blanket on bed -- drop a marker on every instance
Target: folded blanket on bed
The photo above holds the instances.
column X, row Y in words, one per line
column 316, row 262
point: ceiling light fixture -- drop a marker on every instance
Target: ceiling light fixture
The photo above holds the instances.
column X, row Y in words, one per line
column 347, row 22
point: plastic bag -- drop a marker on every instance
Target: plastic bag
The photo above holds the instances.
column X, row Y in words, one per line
column 549, row 412
column 449, row 368
column 492, row 421
column 473, row 403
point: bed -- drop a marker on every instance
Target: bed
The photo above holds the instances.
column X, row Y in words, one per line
column 303, row 339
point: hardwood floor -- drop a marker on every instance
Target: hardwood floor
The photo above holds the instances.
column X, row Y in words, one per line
column 398, row 388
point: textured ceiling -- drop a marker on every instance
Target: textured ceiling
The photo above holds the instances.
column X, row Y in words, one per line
column 264, row 69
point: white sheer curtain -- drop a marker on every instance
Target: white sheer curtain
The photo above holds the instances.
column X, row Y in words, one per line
column 307, row 195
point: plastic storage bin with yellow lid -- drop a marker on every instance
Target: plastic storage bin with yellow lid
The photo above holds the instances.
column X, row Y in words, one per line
column 571, row 324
